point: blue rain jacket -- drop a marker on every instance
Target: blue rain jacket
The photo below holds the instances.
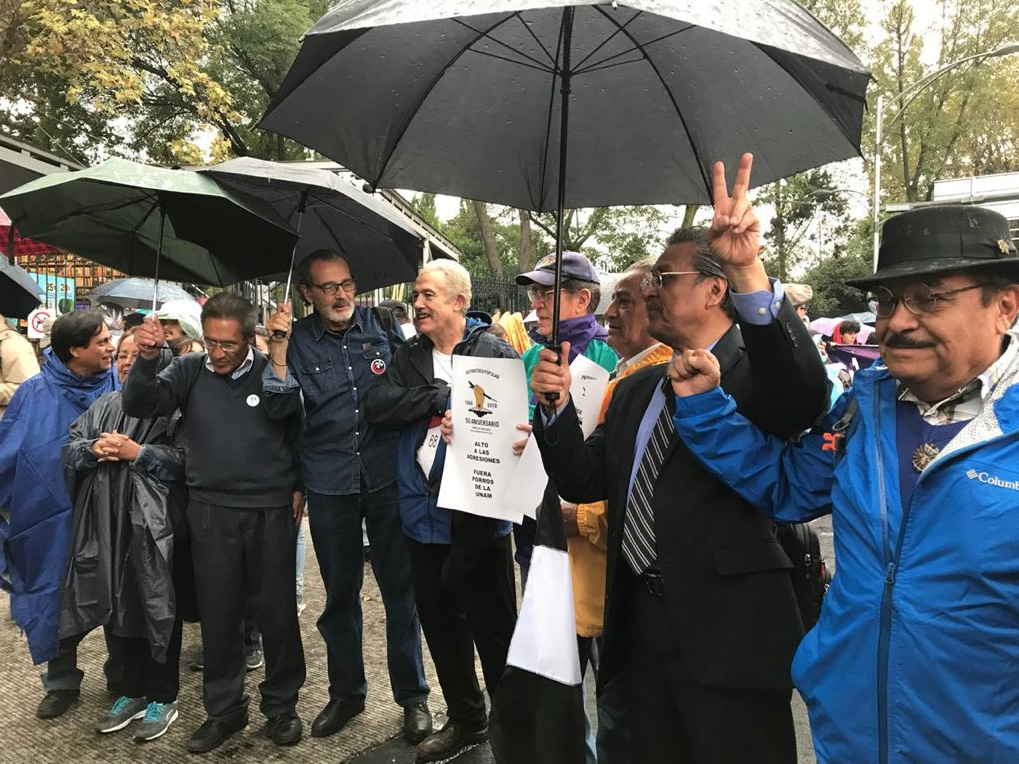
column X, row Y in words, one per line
column 35, row 511
column 914, row 657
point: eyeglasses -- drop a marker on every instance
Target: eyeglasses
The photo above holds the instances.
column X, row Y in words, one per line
column 227, row 347
column 539, row 294
column 919, row 299
column 330, row 288
column 655, row 279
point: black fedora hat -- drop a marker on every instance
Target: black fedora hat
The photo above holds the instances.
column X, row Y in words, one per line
column 940, row 239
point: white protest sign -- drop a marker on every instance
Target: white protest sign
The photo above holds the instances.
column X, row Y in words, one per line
column 489, row 399
column 529, row 480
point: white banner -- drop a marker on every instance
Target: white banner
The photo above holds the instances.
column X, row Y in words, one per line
column 489, row 399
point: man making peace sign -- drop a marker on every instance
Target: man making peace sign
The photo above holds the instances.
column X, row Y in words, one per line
column 700, row 612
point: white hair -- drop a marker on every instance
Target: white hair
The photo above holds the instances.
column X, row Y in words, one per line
column 458, row 280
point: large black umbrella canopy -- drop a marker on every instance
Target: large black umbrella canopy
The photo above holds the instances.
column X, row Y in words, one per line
column 464, row 96
column 328, row 213
column 19, row 292
column 122, row 213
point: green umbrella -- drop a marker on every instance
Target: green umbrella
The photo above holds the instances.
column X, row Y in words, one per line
column 150, row 221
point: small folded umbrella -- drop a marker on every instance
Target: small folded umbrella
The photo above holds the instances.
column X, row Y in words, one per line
column 19, row 292
column 147, row 221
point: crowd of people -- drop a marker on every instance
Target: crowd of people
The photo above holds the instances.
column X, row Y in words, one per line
column 160, row 481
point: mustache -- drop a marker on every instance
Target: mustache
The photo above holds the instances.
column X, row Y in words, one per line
column 901, row 341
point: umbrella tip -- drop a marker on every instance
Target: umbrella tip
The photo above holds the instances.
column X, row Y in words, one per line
column 368, row 188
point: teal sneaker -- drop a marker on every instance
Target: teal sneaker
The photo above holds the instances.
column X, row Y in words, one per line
column 124, row 711
column 158, row 718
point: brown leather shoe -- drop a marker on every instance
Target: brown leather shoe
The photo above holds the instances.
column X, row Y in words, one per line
column 451, row 740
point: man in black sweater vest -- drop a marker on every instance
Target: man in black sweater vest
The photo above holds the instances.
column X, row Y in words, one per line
column 244, row 502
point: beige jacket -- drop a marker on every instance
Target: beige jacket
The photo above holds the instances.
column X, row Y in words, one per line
column 17, row 362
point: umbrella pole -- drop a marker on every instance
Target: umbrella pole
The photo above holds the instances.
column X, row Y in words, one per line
column 159, row 253
column 10, row 244
column 293, row 257
column 565, row 75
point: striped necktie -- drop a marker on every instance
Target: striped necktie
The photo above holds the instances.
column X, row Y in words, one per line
column 639, row 523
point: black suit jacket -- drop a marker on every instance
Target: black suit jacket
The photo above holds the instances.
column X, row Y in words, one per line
column 726, row 578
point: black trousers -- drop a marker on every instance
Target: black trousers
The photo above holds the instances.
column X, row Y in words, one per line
column 478, row 609
column 139, row 676
column 242, row 556
column 673, row 718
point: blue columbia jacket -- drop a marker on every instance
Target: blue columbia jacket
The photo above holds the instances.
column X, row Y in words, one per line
column 914, row 656
column 35, row 527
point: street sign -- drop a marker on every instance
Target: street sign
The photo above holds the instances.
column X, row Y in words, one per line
column 35, row 322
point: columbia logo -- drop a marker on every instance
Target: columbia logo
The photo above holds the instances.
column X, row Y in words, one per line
column 994, row 480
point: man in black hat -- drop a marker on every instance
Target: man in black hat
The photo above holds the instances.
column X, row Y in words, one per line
column 912, row 655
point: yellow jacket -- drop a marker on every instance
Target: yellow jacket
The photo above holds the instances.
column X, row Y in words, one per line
column 587, row 551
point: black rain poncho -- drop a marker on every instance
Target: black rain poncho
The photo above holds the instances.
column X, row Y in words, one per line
column 120, row 572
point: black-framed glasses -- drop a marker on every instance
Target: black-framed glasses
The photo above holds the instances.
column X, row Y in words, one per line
column 919, row 299
column 227, row 347
column 655, row 279
column 330, row 287
column 539, row 294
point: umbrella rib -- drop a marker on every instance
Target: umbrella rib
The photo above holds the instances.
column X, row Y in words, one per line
column 534, row 61
column 424, row 96
column 602, row 67
column 511, row 61
column 537, row 41
column 672, row 100
column 580, row 64
column 600, row 64
column 548, row 124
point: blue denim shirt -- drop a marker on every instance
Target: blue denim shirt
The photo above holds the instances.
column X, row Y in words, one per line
column 341, row 455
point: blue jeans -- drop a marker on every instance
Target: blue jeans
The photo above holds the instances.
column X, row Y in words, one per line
column 613, row 734
column 336, row 534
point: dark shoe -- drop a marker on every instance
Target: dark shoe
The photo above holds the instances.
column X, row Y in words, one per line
column 417, row 723
column 285, row 728
column 334, row 717
column 451, row 740
column 213, row 734
column 55, row 703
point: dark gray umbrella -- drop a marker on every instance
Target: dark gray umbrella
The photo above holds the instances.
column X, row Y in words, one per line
column 19, row 292
column 137, row 293
column 380, row 246
column 465, row 97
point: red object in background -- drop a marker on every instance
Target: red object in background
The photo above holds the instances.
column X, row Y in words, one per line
column 22, row 246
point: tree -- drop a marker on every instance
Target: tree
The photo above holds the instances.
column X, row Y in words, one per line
column 801, row 202
column 831, row 295
column 966, row 120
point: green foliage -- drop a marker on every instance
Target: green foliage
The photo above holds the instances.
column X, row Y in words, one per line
column 810, row 212
column 831, row 295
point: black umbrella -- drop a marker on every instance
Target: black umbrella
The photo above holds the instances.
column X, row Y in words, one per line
column 151, row 221
column 19, row 292
column 380, row 246
column 465, row 97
